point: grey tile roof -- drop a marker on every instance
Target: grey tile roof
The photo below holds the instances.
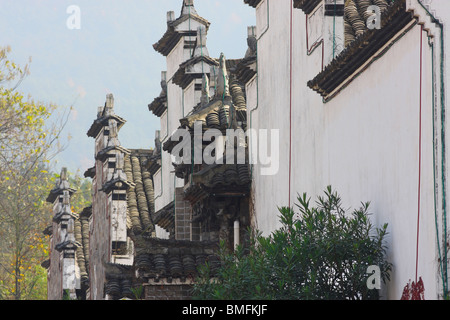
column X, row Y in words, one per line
column 306, row 5
column 172, row 36
column 252, row 3
column 184, row 78
column 158, row 259
column 81, row 231
column 356, row 15
column 159, row 105
column 355, row 54
column 140, row 196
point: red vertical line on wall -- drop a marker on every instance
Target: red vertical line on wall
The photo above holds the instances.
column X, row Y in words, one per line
column 420, row 150
column 323, row 53
column 109, row 229
column 307, row 35
column 290, row 100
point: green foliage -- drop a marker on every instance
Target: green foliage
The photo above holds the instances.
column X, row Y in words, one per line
column 82, row 198
column 138, row 292
column 321, row 252
column 28, row 141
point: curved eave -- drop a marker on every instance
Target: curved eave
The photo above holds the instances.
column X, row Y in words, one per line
column 106, row 152
column 99, row 123
column 169, row 40
column 90, row 173
column 86, row 213
column 67, row 245
column 252, row 3
column 361, row 50
column 183, row 78
column 246, row 69
column 117, row 184
column 45, row 264
column 159, row 105
column 171, row 37
column 306, row 5
column 165, row 218
column 57, row 192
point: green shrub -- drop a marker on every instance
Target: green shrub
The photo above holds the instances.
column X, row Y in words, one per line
column 321, row 252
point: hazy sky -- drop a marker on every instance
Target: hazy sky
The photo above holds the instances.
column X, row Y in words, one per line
column 111, row 53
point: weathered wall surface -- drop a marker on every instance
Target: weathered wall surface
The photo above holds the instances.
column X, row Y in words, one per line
column 364, row 142
column 99, row 250
column 54, row 280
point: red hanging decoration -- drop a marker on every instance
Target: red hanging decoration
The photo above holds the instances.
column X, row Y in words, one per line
column 414, row 291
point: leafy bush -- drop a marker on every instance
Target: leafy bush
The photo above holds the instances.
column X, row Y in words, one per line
column 322, row 254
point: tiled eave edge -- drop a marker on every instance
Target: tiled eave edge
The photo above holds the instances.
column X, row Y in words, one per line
column 183, row 78
column 165, row 217
column 99, row 123
column 159, row 105
column 362, row 52
column 306, row 5
column 252, row 3
column 171, row 37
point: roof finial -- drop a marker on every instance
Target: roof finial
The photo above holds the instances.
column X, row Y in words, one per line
column 223, row 88
column 63, row 179
column 205, row 90
column 109, row 105
column 113, row 140
column 200, row 47
column 251, row 41
column 170, row 16
column 188, row 7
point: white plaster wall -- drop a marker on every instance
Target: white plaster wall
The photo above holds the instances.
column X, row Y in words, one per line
column 364, row 142
column 273, row 68
column 189, row 98
column 165, row 180
column 118, row 220
column 441, row 10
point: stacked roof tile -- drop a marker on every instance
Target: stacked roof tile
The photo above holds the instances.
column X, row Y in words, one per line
column 306, row 5
column 393, row 19
column 81, row 231
column 174, row 34
column 158, row 259
column 140, row 196
column 356, row 16
column 252, row 3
